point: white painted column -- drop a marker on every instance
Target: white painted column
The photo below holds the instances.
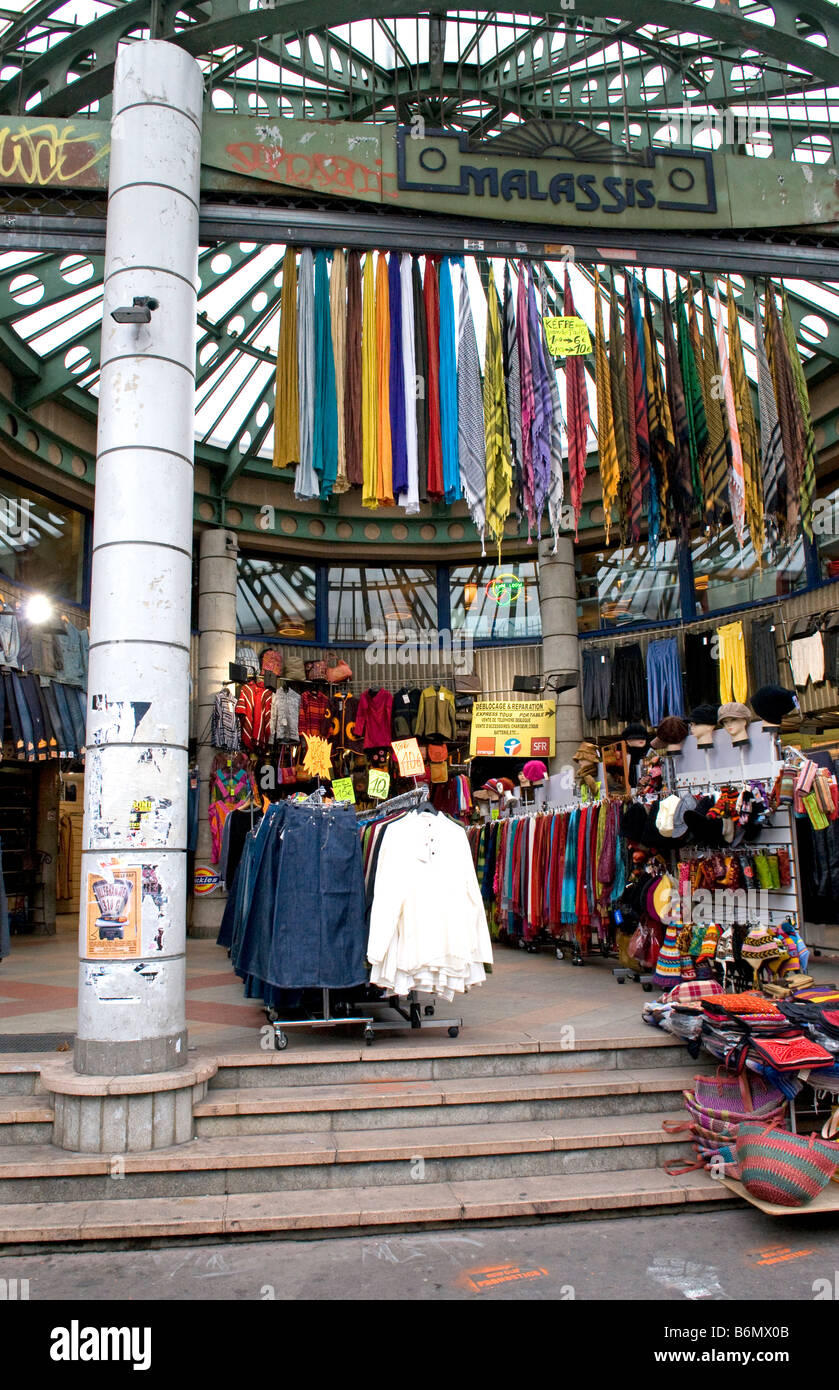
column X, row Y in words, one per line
column 560, row 647
column 216, row 649
column 132, row 981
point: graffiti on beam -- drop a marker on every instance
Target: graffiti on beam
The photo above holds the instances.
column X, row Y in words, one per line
column 45, row 154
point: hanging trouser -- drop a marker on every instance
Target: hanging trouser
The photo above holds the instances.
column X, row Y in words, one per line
column 702, row 678
column 14, row 717
column 29, row 687
column 60, row 692
column 664, row 680
column 763, row 652
column 49, row 730
column 734, row 685
column 48, row 692
column 76, row 699
column 806, row 656
column 597, row 683
column 27, row 729
column 629, row 698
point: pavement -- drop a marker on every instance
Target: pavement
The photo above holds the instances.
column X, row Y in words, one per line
column 711, row 1257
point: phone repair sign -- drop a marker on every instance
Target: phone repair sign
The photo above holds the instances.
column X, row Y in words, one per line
column 513, row 729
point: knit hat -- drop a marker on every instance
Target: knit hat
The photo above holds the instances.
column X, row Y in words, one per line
column 635, row 733
column 703, row 720
column 495, row 787
column 667, row 808
column 704, row 829
column 633, row 822
column 671, row 734
column 534, row 771
column 772, row 702
column 735, row 719
column 687, row 803
column 668, row 967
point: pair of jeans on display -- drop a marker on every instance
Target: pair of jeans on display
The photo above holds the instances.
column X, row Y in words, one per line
column 296, row 917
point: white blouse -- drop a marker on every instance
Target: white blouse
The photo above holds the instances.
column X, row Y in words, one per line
column 428, row 927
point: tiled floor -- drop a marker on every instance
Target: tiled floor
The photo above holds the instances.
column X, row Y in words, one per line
column 527, row 996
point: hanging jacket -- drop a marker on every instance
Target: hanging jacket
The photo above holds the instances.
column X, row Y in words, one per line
column 406, row 704
column 224, row 731
column 254, row 710
column 284, row 724
column 373, row 721
column 436, row 714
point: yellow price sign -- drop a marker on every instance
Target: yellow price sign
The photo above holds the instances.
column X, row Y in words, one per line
column 343, row 789
column 567, row 336
column 408, row 757
column 378, row 784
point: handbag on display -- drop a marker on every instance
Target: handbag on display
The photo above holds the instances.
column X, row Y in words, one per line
column 286, row 772
column 336, row 674
column 315, row 670
column 294, row 668
column 467, row 685
column 784, row 1168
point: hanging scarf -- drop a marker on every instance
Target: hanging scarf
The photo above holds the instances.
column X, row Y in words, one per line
column 528, row 402
column 636, row 405
column 617, row 375
column 661, row 431
column 717, row 493
column 749, row 443
column 789, row 415
column 512, row 377
column 543, row 409
column 736, row 481
column 448, row 383
column 698, row 443
column 431, row 294
column 576, row 410
column 306, row 484
column 338, row 318
column 681, row 483
column 568, row 910
column 398, row 439
column 606, row 441
column 807, row 487
column 384, row 475
column 496, row 424
column 325, row 442
column 471, row 431
column 353, row 415
column 421, row 359
column 286, row 400
column 410, row 498
column 556, row 488
column 369, row 387
column 773, row 465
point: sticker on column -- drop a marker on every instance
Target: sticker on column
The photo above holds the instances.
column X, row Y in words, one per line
column 113, row 912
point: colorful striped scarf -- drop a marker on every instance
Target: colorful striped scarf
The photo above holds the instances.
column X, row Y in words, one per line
column 528, row 401
column 338, row 320
column 306, row 485
column 749, row 442
column 384, row 475
column 556, row 489
column 577, row 414
column 617, row 373
column 789, row 415
column 807, row 487
column 697, row 424
column 736, row 483
column 496, row 424
column 773, row 465
column 471, row 432
column 661, row 434
column 681, row 479
column 448, row 383
column 543, row 407
column 398, row 437
column 636, row 399
column 717, row 492
column 606, row 441
column 512, row 376
column 568, row 909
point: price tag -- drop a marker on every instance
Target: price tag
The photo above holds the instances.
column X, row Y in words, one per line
column 343, row 789
column 378, row 784
column 567, row 337
column 409, row 758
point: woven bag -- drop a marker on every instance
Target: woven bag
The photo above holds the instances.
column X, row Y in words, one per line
column 784, row 1168
column 746, row 1094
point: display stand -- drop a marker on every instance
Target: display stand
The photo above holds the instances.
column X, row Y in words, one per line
column 328, row 1020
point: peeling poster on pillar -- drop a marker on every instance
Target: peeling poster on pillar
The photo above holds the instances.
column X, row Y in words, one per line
column 113, row 912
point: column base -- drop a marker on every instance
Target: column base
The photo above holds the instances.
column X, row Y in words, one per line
column 114, row 1115
column 139, row 1057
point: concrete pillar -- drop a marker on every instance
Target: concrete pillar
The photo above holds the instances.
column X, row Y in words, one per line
column 560, row 647
column 216, row 649
column 132, row 974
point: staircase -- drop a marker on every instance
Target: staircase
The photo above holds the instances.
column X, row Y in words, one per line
column 342, row 1141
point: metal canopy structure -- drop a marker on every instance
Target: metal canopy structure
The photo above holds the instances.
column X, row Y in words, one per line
column 758, row 79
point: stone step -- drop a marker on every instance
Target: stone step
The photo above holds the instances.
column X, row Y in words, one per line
column 441, row 1060
column 351, row 1158
column 25, row 1119
column 470, row 1100
column 20, row 1072
column 339, row 1211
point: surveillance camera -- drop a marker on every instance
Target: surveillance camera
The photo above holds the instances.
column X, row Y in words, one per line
column 139, row 312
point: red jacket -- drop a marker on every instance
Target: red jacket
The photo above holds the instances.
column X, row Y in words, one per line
column 373, row 720
column 254, row 710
